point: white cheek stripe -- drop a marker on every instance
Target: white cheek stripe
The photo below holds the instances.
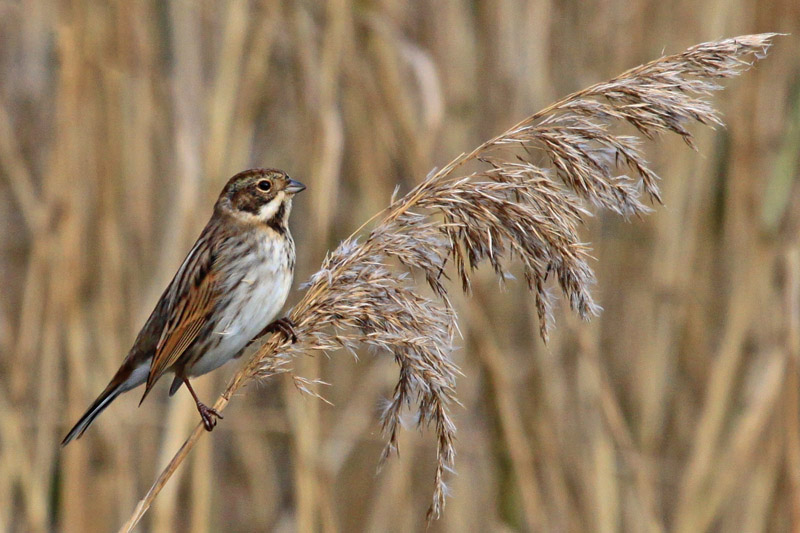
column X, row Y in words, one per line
column 268, row 210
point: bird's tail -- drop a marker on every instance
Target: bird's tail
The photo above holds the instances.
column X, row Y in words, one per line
column 106, row 397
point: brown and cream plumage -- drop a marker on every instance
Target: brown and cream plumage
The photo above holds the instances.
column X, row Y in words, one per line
column 229, row 289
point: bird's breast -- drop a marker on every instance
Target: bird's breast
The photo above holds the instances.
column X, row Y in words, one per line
column 255, row 284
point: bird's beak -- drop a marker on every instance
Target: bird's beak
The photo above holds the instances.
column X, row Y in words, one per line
column 295, row 187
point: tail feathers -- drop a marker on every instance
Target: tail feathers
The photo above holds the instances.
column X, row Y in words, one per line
column 176, row 384
column 104, row 400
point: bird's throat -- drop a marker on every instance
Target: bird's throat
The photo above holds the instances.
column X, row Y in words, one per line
column 279, row 219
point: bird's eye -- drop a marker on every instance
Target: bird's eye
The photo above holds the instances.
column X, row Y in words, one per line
column 264, row 185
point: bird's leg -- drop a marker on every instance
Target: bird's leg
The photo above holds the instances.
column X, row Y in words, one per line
column 206, row 413
column 284, row 325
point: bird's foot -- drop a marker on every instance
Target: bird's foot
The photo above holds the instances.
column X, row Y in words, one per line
column 284, row 325
column 209, row 415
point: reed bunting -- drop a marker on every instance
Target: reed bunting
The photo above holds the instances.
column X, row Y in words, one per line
column 226, row 293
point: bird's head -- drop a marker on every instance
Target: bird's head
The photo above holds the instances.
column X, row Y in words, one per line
column 260, row 196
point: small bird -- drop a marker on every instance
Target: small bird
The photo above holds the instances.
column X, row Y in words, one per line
column 226, row 294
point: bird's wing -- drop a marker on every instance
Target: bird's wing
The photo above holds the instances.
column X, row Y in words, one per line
column 192, row 296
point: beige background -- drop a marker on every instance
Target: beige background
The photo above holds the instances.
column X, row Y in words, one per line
column 677, row 409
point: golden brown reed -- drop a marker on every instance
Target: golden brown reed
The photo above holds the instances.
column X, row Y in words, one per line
column 517, row 208
column 675, row 409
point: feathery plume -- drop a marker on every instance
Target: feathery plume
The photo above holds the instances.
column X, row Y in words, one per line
column 515, row 207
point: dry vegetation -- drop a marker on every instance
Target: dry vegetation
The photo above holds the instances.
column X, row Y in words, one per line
column 676, row 409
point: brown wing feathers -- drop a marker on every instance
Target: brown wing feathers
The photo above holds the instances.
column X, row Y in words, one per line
column 195, row 294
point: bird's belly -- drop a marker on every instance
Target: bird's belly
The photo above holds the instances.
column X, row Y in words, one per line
column 252, row 304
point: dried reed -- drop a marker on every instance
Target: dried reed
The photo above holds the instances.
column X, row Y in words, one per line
column 515, row 208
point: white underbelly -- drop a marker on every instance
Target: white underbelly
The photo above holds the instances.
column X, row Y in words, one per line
column 254, row 303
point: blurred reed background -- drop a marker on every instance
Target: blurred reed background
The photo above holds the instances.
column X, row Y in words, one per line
column 677, row 409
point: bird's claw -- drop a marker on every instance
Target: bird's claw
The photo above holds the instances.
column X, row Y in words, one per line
column 284, row 325
column 209, row 416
